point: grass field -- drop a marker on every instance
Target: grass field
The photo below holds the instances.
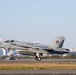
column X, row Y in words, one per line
column 37, row 66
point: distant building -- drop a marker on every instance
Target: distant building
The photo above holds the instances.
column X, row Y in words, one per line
column 1, row 53
column 1, row 39
column 72, row 49
column 4, row 52
column 7, row 52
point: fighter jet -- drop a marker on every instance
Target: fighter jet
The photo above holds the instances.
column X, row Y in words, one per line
column 39, row 49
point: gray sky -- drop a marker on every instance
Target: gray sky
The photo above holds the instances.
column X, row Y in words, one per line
column 38, row 20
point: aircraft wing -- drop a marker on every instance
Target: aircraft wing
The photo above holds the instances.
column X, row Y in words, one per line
column 44, row 51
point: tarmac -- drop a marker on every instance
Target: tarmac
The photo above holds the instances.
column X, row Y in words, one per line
column 37, row 72
column 42, row 61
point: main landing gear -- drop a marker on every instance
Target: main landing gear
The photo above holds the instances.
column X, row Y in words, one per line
column 37, row 57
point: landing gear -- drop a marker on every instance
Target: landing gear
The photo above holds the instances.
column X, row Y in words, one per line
column 37, row 57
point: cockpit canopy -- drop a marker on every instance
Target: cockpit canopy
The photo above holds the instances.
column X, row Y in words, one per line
column 10, row 41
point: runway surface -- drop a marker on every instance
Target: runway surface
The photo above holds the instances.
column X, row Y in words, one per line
column 37, row 72
column 42, row 61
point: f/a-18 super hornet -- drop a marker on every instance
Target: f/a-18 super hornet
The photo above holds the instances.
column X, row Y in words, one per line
column 39, row 49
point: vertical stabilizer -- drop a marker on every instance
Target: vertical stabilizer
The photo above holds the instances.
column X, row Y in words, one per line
column 58, row 42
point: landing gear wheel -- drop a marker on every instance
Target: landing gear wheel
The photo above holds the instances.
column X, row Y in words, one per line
column 36, row 58
column 39, row 58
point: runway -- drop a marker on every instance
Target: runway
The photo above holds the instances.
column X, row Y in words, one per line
column 37, row 72
column 42, row 61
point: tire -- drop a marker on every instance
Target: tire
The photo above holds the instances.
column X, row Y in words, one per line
column 36, row 58
column 39, row 58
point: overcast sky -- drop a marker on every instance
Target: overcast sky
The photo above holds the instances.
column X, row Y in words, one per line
column 38, row 20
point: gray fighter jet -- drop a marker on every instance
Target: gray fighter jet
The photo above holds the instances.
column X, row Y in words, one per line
column 39, row 49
